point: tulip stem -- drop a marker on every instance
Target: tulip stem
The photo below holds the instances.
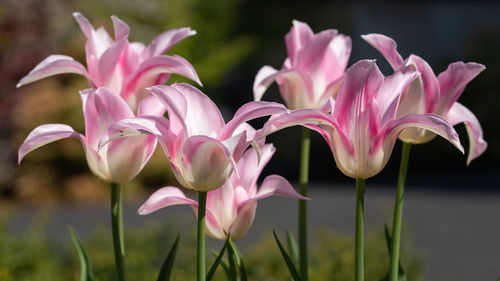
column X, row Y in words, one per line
column 359, row 247
column 202, row 202
column 117, row 229
column 303, row 180
column 398, row 212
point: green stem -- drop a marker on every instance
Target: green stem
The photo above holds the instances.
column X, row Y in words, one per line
column 398, row 212
column 232, row 264
column 117, row 228
column 303, row 180
column 359, row 247
column 202, row 202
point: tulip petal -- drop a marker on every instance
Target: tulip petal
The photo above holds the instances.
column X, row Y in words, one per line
column 297, row 37
column 250, row 111
column 460, row 114
column 108, row 61
column 431, row 122
column 45, row 134
column 274, row 185
column 190, row 108
column 121, row 29
column 423, row 94
column 388, row 98
column 151, row 105
column 84, row 24
column 164, row 197
column 453, row 81
column 165, row 41
column 102, row 107
column 207, row 163
column 127, row 156
column 52, row 65
column 151, row 69
column 264, row 78
column 386, row 46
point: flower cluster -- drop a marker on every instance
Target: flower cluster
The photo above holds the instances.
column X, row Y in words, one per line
column 358, row 111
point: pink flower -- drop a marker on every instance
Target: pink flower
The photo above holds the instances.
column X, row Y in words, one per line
column 126, row 68
column 313, row 70
column 201, row 147
column 231, row 208
column 118, row 161
column 431, row 94
column 362, row 127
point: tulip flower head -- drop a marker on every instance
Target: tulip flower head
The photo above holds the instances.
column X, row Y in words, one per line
column 126, row 68
column 201, row 147
column 118, row 161
column 231, row 208
column 362, row 127
column 313, row 70
column 431, row 94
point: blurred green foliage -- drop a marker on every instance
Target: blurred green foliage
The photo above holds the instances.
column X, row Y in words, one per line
column 34, row 256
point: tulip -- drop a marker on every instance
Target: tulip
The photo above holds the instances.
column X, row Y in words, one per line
column 118, row 161
column 362, row 127
column 126, row 68
column 310, row 75
column 427, row 94
column 201, row 148
column 231, row 208
column 313, row 70
column 431, row 94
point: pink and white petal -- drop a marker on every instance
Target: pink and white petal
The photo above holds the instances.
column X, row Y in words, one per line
column 166, row 40
column 274, row 185
column 108, row 61
column 250, row 111
column 202, row 116
column 236, row 145
column 221, row 205
column 212, row 227
column 207, row 163
column 45, row 134
column 53, row 65
column 361, row 84
column 264, row 78
column 127, row 156
column 84, row 24
column 251, row 166
column 243, row 221
column 460, row 114
column 151, row 105
column 164, row 197
column 296, row 88
column 390, row 92
column 311, row 55
column 121, row 29
column 324, row 101
column 297, row 117
column 297, row 37
column 386, row 46
column 102, row 108
column 453, row 81
column 424, row 92
column 434, row 123
column 150, row 70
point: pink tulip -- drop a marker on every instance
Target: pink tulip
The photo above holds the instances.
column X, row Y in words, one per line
column 431, row 94
column 231, row 208
column 201, row 147
column 118, row 161
column 362, row 127
column 126, row 68
column 313, row 70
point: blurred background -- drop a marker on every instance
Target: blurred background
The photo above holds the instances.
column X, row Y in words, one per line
column 235, row 39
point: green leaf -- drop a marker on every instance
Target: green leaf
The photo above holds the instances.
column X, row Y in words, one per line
column 287, row 259
column 217, row 261
column 168, row 263
column 292, row 245
column 85, row 267
column 239, row 260
column 388, row 241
